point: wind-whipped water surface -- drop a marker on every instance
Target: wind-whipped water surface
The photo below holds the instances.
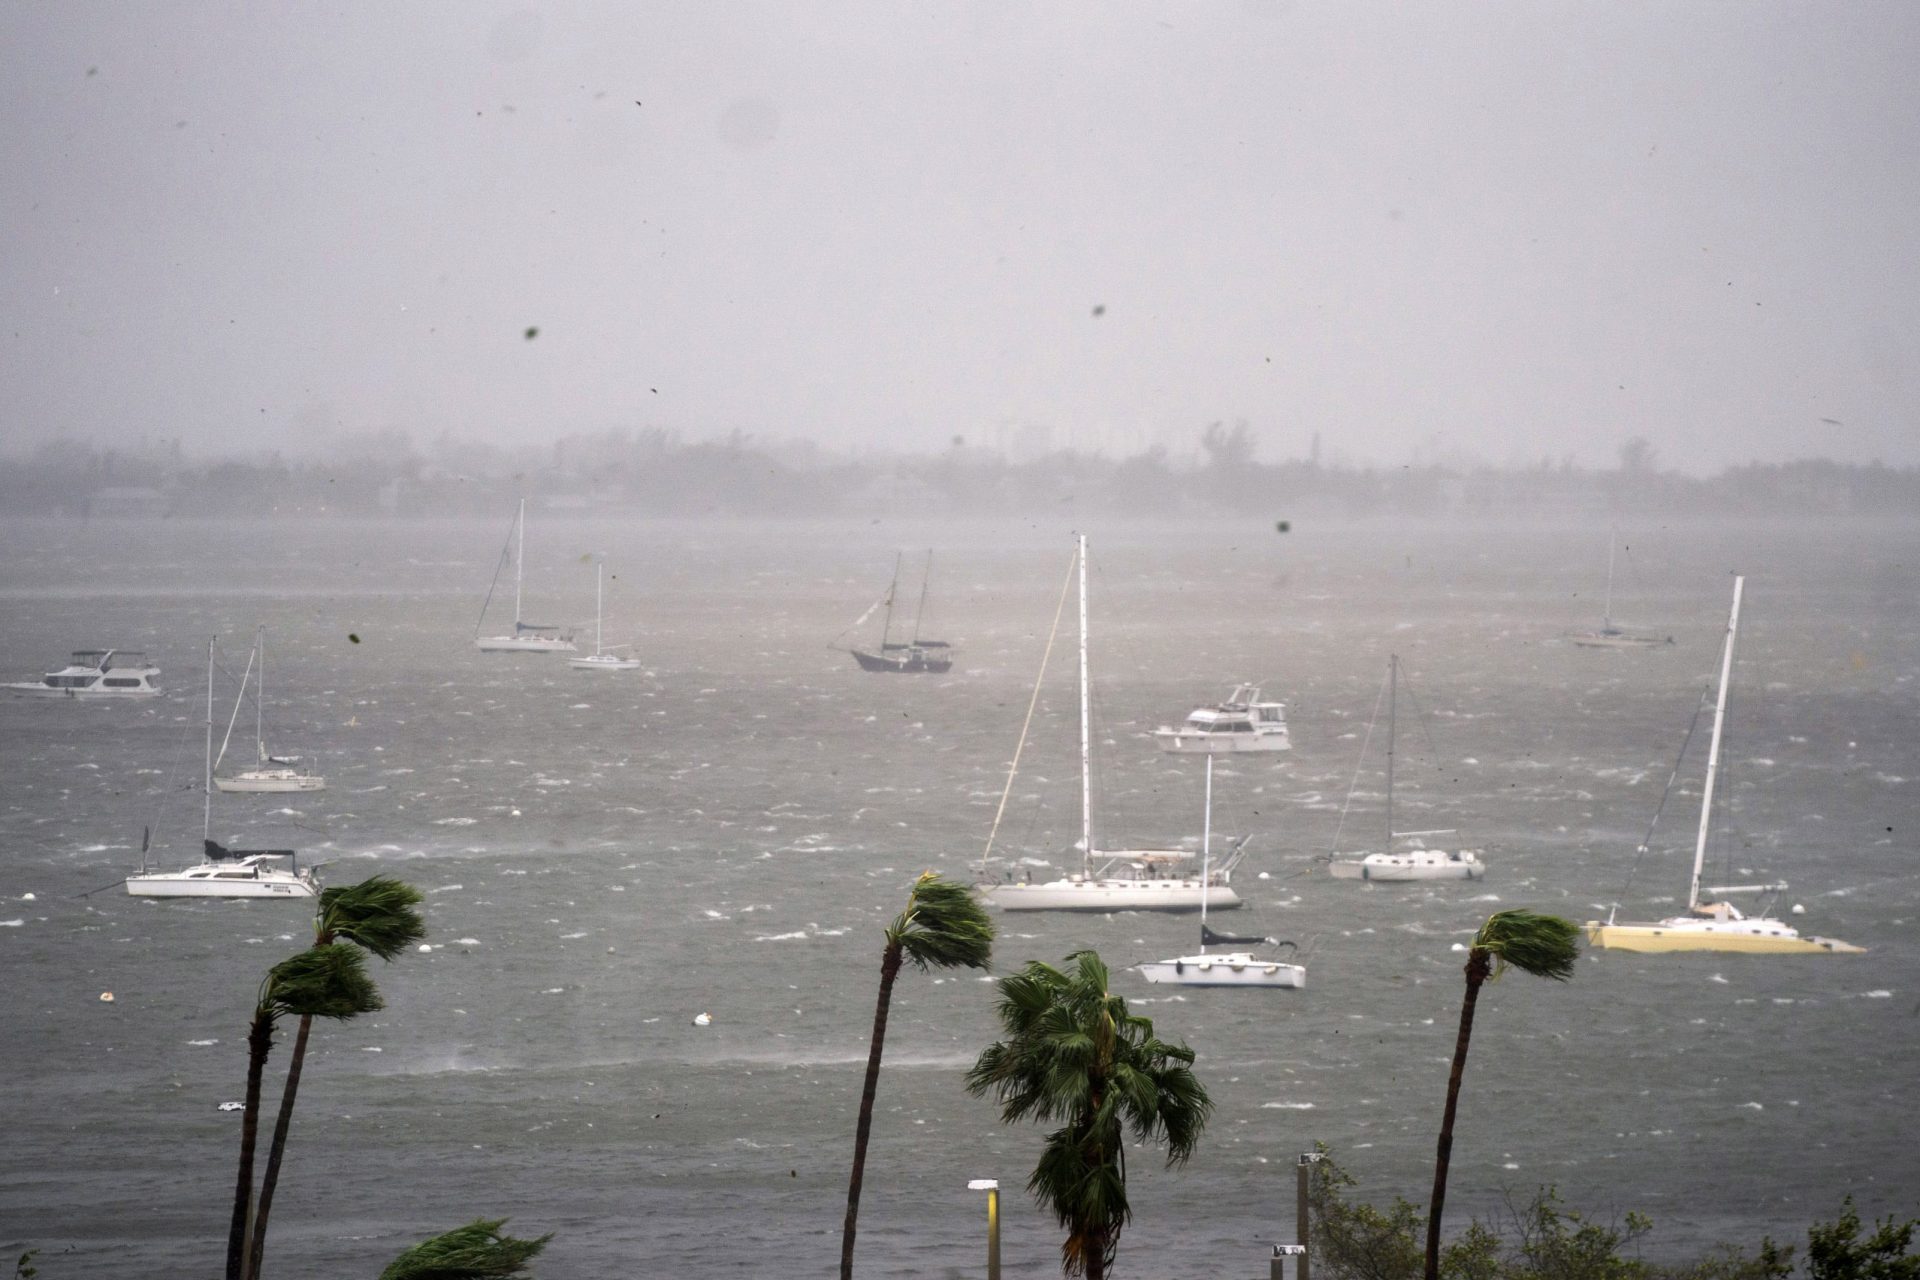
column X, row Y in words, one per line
column 728, row 830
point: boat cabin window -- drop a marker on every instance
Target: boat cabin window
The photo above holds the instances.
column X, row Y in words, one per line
column 70, row 682
column 121, row 682
column 1233, row 726
column 1269, row 715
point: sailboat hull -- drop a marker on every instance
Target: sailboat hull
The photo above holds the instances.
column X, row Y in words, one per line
column 1751, row 936
column 524, row 644
column 1617, row 640
column 1225, row 969
column 200, row 882
column 1114, row 894
column 271, row 782
column 905, row 662
column 1394, row 867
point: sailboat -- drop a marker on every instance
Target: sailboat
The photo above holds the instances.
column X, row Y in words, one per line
column 1115, row 879
column 913, row 655
column 1719, row 925
column 271, row 774
column 526, row 637
column 223, row 872
column 600, row 659
column 1417, row 863
column 1222, row 968
column 1608, row 636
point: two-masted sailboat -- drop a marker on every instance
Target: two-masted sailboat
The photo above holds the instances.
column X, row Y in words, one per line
column 1714, row 925
column 912, row 655
column 270, row 774
column 526, row 637
column 1114, row 879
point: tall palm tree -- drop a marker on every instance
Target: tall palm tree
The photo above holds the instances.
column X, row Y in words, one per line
column 1544, row 946
column 476, row 1251
column 321, row 982
column 379, row 916
column 1074, row 1054
column 943, row 927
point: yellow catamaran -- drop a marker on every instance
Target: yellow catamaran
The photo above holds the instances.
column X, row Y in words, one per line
column 1715, row 925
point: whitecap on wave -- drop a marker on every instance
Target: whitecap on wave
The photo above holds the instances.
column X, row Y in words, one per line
column 454, row 822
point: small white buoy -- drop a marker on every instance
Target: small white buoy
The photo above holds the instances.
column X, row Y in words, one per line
column 26, row 897
column 1458, row 946
column 702, row 1019
column 1798, row 909
column 106, row 997
column 516, row 813
column 609, row 950
column 233, row 1106
column 1264, row 875
column 426, row 946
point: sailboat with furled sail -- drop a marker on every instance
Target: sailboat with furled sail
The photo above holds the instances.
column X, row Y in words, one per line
column 1223, row 968
column 1607, row 635
column 270, row 774
column 1110, row 879
column 602, row 658
column 526, row 637
column 1714, row 925
column 903, row 657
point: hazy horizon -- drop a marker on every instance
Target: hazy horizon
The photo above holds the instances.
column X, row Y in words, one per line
column 1496, row 235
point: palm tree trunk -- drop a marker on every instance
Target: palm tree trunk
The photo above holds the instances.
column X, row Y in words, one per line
column 277, row 1148
column 1479, row 964
column 889, row 970
column 259, row 1044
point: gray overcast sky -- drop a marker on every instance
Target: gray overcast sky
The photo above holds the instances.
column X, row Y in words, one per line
column 1427, row 230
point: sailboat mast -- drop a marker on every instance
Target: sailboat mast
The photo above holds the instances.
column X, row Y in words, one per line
column 1713, row 747
column 1206, row 855
column 260, row 695
column 1393, row 696
column 1606, row 613
column 886, row 627
column 206, row 788
column 519, row 564
column 599, row 576
column 922, row 610
column 1086, row 727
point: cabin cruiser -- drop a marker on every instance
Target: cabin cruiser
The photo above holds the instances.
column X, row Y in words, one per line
column 1242, row 723
column 1411, row 864
column 95, row 673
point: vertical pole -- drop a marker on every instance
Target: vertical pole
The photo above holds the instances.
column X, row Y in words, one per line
column 519, row 565
column 1606, row 613
column 1713, row 749
column 1393, row 694
column 1206, row 855
column 206, row 819
column 1302, row 1208
column 599, row 577
column 1086, row 728
column 886, row 628
column 260, row 696
column 993, row 1233
column 920, row 613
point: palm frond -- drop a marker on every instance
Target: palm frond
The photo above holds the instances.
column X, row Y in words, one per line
column 476, row 1251
column 1541, row 945
column 944, row 926
column 327, row 981
column 379, row 914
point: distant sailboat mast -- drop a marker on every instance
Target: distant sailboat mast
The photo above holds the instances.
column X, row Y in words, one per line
column 1393, row 697
column 921, row 612
column 206, row 788
column 519, row 562
column 886, row 626
column 260, row 695
column 1086, row 727
column 1606, row 611
column 1713, row 748
column 1206, row 856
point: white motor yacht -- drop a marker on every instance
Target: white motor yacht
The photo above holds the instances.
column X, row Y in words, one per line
column 95, row 673
column 1244, row 722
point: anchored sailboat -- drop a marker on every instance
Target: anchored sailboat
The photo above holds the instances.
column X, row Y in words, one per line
column 526, row 637
column 601, row 659
column 1608, row 636
column 1223, row 968
column 223, row 872
column 910, row 656
column 1417, row 863
column 1719, row 925
column 271, row 774
column 1113, row 879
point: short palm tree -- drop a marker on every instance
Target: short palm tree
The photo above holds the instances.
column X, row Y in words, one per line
column 1544, row 946
column 379, row 915
column 476, row 1251
column 943, row 927
column 1074, row 1054
column 328, row 981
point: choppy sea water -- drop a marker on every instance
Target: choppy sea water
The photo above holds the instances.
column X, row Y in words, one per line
column 728, row 830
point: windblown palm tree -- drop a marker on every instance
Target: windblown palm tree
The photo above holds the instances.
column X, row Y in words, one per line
column 476, row 1251
column 377, row 915
column 1544, row 946
column 943, row 927
column 1074, row 1054
column 327, row 981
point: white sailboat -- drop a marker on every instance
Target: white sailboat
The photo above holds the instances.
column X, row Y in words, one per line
column 1416, row 862
column 1115, row 879
column 1608, row 636
column 526, row 637
column 600, row 659
column 223, row 872
column 271, row 774
column 1223, row 968
column 1718, row 925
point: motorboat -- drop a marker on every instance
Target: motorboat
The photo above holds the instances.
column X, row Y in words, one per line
column 1715, row 925
column 1110, row 879
column 95, row 673
column 526, row 637
column 1244, row 722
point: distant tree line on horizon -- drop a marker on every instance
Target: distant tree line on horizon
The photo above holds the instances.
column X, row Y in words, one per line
column 655, row 472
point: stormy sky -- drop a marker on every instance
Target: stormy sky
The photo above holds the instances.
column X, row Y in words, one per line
column 1426, row 231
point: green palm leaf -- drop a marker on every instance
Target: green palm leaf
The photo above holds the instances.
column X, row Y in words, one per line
column 378, row 914
column 1541, row 945
column 327, row 981
column 476, row 1251
column 943, row 927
